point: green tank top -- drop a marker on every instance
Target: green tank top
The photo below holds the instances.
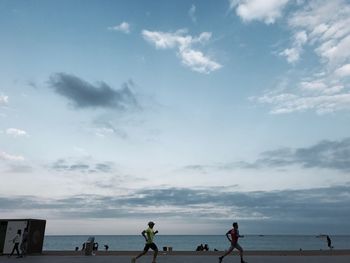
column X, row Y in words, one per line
column 150, row 235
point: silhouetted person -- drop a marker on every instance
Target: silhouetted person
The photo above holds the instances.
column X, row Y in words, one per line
column 148, row 234
column 206, row 247
column 24, row 243
column 200, row 247
column 16, row 241
column 95, row 246
column 329, row 242
column 234, row 233
column 106, row 247
column 83, row 247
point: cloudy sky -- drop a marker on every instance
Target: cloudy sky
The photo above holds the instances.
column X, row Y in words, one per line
column 193, row 114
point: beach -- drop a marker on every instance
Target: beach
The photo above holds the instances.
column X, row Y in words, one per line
column 332, row 256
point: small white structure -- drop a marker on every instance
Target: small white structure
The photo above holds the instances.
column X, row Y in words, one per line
column 9, row 228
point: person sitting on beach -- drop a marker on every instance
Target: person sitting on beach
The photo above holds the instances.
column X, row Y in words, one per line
column 234, row 233
column 148, row 234
column 206, row 247
column 200, row 248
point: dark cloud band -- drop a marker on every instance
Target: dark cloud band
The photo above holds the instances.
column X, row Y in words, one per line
column 85, row 95
column 306, row 209
column 63, row 165
column 326, row 154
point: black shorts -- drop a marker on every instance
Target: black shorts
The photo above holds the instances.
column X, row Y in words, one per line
column 150, row 246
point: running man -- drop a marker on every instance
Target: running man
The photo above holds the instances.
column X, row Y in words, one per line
column 148, row 234
column 234, row 242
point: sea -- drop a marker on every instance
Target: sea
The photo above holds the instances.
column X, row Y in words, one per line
column 190, row 242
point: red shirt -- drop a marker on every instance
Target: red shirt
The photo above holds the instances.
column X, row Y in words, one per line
column 234, row 235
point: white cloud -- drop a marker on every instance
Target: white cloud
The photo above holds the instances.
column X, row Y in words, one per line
column 197, row 61
column 334, row 51
column 123, row 27
column 300, row 38
column 4, row 99
column 8, row 157
column 192, row 13
column 323, row 27
column 343, row 71
column 288, row 102
column 16, row 132
column 103, row 132
column 334, row 89
column 316, row 85
column 180, row 40
column 167, row 40
column 264, row 10
column 293, row 54
column 327, row 25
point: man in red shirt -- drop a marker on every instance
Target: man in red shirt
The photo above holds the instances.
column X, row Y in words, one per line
column 234, row 233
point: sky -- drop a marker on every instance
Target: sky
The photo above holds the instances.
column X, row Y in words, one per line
column 192, row 114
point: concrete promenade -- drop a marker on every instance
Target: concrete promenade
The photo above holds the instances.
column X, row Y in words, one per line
column 190, row 257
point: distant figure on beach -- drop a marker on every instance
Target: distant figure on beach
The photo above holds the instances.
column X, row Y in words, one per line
column 106, row 247
column 95, row 246
column 200, row 247
column 83, row 247
column 148, row 234
column 15, row 242
column 234, row 233
column 329, row 242
column 206, row 247
column 24, row 243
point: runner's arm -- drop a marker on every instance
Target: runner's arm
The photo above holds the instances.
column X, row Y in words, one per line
column 143, row 234
column 228, row 236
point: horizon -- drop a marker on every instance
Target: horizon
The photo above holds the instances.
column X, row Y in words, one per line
column 192, row 114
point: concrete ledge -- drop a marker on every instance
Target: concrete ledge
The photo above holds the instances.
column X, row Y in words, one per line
column 207, row 253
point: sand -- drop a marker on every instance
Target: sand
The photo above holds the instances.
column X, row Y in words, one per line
column 335, row 256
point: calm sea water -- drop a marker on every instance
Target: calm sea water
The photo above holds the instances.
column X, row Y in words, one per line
column 190, row 242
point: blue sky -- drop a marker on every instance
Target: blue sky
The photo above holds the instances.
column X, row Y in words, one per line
column 189, row 113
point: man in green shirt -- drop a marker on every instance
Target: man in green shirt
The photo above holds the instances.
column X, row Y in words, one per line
column 148, row 234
